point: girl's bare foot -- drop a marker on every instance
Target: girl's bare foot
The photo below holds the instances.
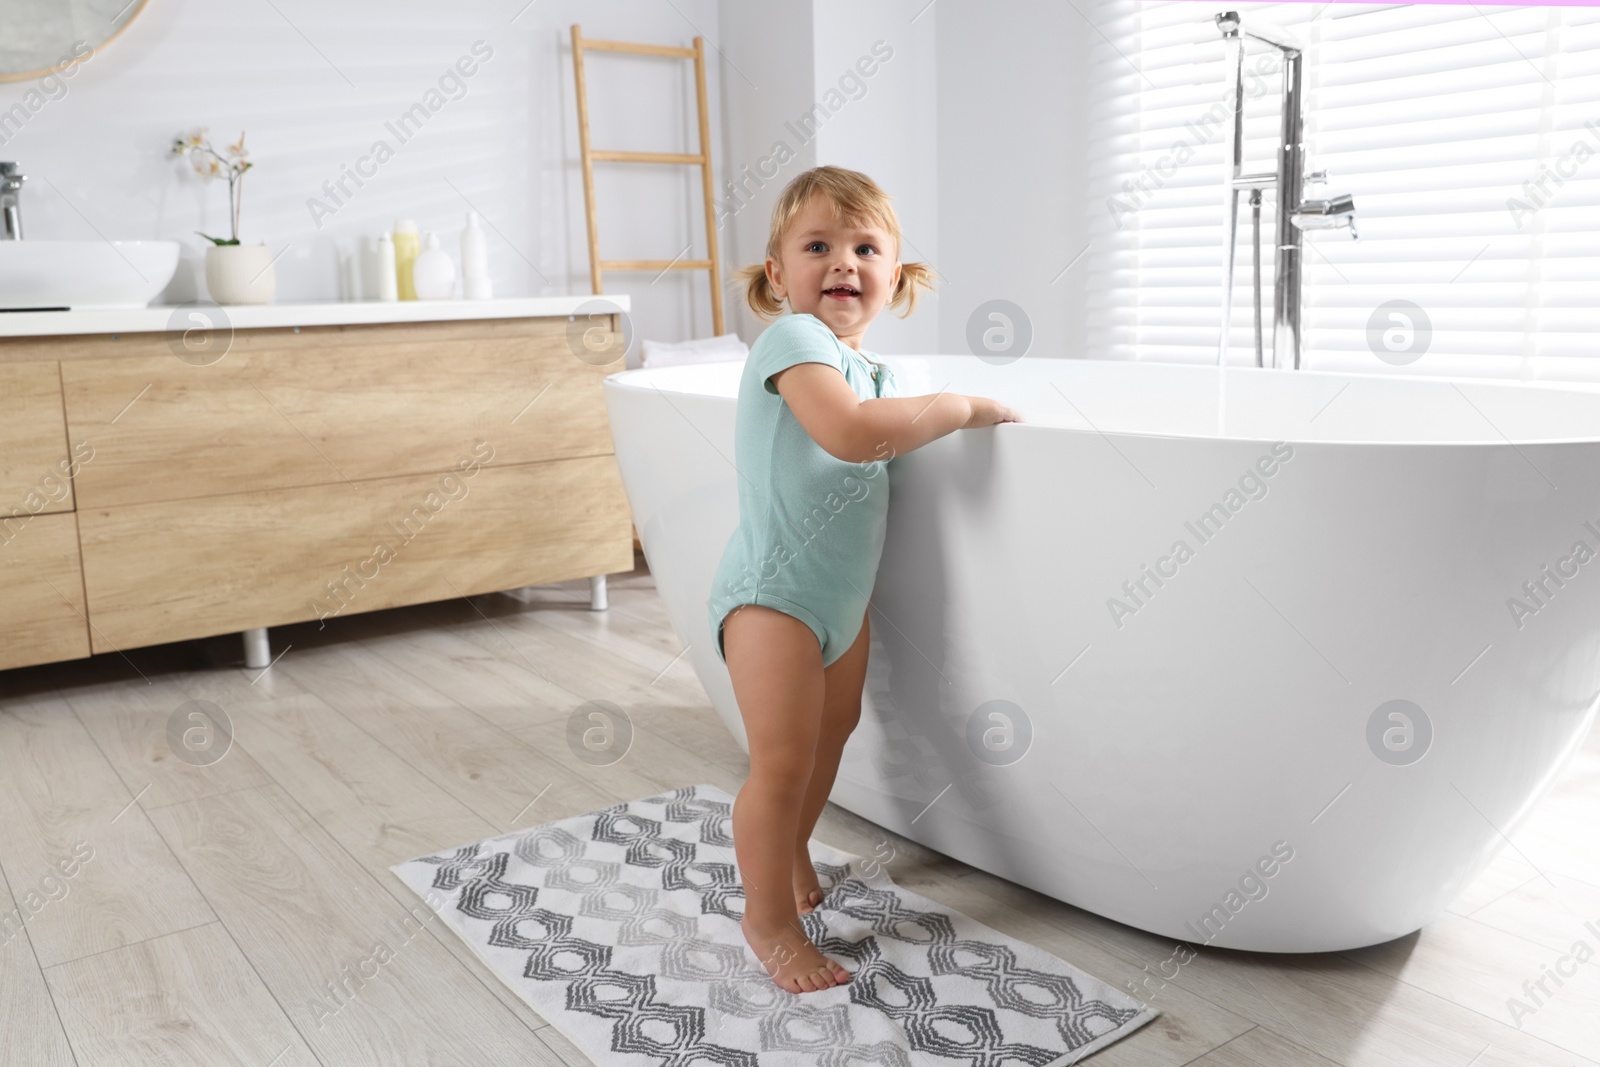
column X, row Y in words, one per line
column 807, row 890
column 791, row 960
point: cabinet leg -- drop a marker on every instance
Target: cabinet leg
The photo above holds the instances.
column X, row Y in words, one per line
column 257, row 652
column 597, row 592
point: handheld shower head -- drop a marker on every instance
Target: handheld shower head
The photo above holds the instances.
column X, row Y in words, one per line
column 1230, row 24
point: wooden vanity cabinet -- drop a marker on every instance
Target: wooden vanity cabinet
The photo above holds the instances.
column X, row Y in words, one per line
column 306, row 473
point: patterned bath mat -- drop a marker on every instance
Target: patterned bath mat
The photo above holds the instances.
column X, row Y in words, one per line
column 621, row 928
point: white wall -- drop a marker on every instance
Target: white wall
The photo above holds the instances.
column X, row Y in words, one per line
column 314, row 86
column 832, row 82
column 1013, row 156
column 884, row 125
column 765, row 53
column 974, row 124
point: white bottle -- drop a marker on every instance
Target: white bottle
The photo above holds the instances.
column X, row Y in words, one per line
column 348, row 276
column 388, row 281
column 433, row 275
column 369, row 268
column 475, row 283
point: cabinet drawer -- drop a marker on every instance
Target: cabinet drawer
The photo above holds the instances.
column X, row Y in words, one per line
column 193, row 568
column 41, row 586
column 35, row 469
column 328, row 406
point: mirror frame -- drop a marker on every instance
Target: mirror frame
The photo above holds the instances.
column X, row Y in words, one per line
column 138, row 9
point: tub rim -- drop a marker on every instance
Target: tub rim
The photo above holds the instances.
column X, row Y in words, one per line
column 629, row 380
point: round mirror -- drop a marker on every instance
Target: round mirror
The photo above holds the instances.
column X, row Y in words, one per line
column 37, row 36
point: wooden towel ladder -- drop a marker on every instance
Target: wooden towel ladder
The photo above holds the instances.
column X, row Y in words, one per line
column 581, row 44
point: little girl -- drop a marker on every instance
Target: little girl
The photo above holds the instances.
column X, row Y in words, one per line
column 818, row 418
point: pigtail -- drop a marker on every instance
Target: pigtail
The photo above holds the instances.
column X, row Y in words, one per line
column 912, row 277
column 758, row 291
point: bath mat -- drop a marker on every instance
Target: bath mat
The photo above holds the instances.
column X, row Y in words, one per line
column 621, row 928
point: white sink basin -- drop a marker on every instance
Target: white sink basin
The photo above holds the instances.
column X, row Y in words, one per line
column 81, row 274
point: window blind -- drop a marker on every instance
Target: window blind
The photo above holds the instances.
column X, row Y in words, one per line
column 1468, row 136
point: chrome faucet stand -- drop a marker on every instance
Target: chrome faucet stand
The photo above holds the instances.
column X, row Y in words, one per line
column 1287, row 182
column 11, row 180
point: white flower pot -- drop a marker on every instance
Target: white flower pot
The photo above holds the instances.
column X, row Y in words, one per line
column 240, row 274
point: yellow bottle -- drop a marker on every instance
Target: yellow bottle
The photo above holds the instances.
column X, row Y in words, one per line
column 407, row 244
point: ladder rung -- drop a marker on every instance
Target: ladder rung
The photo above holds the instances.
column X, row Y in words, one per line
column 591, row 44
column 646, row 157
column 655, row 264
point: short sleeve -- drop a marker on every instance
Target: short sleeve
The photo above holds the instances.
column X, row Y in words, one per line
column 794, row 339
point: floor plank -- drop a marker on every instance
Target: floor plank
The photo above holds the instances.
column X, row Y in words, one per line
column 156, row 737
column 1260, row 1047
column 30, row 1029
column 1483, row 968
column 187, row 998
column 375, row 774
column 64, row 803
column 356, row 973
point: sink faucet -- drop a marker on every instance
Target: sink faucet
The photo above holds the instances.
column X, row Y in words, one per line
column 1295, row 214
column 11, row 180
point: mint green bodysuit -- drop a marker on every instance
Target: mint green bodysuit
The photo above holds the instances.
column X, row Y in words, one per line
column 811, row 527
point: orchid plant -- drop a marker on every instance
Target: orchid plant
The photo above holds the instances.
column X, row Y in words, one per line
column 209, row 164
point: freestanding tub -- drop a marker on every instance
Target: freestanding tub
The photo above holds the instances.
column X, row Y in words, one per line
column 1306, row 730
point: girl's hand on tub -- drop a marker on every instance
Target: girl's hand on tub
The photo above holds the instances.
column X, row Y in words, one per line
column 987, row 412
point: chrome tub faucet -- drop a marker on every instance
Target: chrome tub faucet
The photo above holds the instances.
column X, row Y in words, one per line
column 11, row 180
column 1295, row 214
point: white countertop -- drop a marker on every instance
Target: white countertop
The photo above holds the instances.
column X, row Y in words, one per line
column 322, row 313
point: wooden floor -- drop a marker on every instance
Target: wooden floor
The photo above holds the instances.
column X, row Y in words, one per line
column 222, row 914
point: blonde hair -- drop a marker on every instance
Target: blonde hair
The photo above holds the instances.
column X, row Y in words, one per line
column 856, row 198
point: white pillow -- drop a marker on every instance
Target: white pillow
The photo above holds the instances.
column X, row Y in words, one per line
column 702, row 350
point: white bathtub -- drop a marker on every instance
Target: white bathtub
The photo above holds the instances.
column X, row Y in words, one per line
column 1225, row 728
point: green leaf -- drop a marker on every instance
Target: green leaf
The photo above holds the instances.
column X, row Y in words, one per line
column 219, row 240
